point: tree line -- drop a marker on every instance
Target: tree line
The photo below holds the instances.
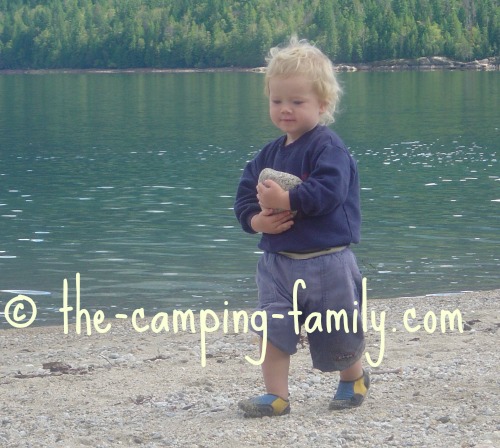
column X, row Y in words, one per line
column 221, row 33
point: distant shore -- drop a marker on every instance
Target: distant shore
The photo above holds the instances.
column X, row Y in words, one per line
column 419, row 64
column 424, row 64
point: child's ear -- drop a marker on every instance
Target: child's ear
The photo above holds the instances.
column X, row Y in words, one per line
column 323, row 108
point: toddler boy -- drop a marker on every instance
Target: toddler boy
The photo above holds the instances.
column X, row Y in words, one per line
column 310, row 238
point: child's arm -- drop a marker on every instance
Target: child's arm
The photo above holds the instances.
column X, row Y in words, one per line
column 328, row 184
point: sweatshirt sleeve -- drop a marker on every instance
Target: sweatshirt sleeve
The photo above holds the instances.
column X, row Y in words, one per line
column 246, row 204
column 327, row 185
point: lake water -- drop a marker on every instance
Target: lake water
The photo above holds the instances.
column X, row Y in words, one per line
column 129, row 180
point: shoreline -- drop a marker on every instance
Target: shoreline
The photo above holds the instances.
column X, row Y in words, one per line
column 431, row 63
column 127, row 388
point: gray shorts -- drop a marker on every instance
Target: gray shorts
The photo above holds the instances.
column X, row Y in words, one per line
column 333, row 283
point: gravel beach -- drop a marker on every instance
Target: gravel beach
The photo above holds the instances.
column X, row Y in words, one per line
column 129, row 388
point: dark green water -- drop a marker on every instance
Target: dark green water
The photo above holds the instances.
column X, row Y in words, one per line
column 129, row 179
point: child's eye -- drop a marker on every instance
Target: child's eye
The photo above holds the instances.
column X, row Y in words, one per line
column 298, row 103
column 276, row 101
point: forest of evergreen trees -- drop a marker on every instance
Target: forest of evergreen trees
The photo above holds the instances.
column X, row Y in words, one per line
column 223, row 33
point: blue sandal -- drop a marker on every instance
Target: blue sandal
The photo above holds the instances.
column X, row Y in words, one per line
column 268, row 405
column 351, row 394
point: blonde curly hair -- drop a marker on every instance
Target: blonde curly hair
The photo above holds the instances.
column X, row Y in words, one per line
column 300, row 57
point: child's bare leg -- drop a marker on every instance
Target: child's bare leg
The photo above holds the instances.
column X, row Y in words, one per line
column 275, row 372
column 352, row 373
column 275, row 369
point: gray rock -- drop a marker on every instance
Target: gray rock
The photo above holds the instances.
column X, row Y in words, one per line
column 284, row 180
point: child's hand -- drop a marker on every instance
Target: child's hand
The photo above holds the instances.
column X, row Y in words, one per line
column 269, row 222
column 271, row 195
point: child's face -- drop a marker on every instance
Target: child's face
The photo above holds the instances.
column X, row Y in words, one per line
column 294, row 107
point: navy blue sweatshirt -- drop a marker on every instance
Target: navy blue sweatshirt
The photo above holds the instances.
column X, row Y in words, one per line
column 327, row 201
